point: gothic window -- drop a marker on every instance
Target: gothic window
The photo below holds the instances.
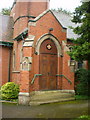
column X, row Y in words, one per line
column 14, row 60
column 21, row 55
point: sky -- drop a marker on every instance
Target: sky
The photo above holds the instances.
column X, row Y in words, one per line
column 68, row 5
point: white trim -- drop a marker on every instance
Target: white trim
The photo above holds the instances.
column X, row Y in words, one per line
column 16, row 71
column 23, row 94
column 41, row 15
column 68, row 91
column 51, row 91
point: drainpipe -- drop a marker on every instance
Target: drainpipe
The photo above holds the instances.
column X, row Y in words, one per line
column 9, row 62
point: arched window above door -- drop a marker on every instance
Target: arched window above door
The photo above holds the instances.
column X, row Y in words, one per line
column 50, row 37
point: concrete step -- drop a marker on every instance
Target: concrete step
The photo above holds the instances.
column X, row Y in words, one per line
column 42, row 97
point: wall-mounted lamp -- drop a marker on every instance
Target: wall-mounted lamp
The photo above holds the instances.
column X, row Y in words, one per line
column 36, row 53
column 72, row 62
column 50, row 29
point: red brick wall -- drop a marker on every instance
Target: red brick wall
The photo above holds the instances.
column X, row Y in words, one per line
column 4, row 64
column 41, row 28
column 44, row 24
column 24, row 83
column 27, row 51
column 15, row 77
column 15, row 74
column 0, row 65
column 37, row 8
column 24, row 77
column 26, row 9
column 66, row 71
column 19, row 26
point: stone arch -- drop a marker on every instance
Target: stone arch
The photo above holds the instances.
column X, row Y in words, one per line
column 53, row 38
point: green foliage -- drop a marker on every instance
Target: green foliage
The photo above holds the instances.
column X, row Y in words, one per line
column 82, row 97
column 81, row 50
column 82, row 78
column 6, row 11
column 83, row 117
column 9, row 91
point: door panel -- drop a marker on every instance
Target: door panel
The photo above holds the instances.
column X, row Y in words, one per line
column 44, row 71
column 48, row 66
column 53, row 71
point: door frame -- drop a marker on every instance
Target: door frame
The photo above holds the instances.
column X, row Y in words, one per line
column 59, row 54
column 50, row 55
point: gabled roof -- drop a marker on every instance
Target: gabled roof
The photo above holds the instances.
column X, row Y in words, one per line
column 41, row 15
column 6, row 28
column 64, row 20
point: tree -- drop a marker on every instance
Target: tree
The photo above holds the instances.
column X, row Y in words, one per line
column 62, row 10
column 82, row 81
column 6, row 11
column 81, row 49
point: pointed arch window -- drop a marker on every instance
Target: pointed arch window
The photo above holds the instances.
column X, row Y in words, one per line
column 14, row 60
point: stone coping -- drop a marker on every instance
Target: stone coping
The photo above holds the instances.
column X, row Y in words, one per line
column 4, row 101
column 53, row 91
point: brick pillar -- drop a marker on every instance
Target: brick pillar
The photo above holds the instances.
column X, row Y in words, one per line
column 24, row 88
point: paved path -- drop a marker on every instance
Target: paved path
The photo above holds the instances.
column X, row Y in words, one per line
column 71, row 109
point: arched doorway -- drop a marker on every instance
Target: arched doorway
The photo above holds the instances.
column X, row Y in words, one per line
column 48, row 65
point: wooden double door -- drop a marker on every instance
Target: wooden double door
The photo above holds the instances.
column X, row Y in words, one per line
column 48, row 65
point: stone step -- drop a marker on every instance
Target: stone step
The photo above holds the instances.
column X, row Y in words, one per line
column 49, row 96
column 32, row 103
column 41, row 97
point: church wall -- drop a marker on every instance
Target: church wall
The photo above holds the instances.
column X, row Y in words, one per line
column 36, row 8
column 42, row 27
column 67, row 69
column 0, row 65
column 24, row 10
column 4, row 64
column 20, row 75
column 35, row 70
column 25, row 62
column 19, row 26
column 20, row 9
column 44, row 24
column 68, row 73
column 16, row 59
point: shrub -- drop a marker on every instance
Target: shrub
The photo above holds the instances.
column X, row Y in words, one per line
column 83, row 117
column 0, row 92
column 82, row 97
column 9, row 91
column 82, row 78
